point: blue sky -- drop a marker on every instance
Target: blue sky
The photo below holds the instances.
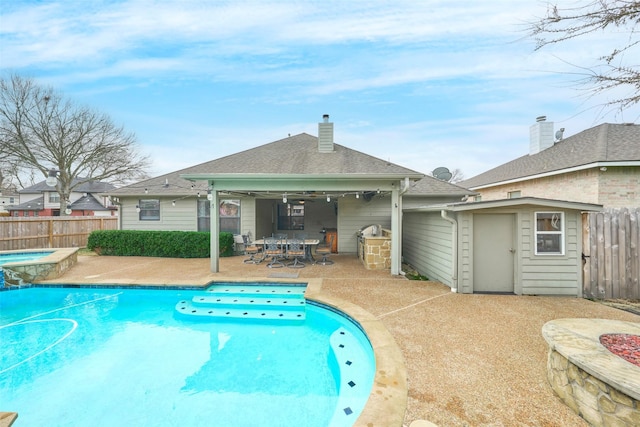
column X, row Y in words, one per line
column 420, row 83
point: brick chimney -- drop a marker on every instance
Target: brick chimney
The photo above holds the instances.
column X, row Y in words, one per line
column 540, row 135
column 325, row 135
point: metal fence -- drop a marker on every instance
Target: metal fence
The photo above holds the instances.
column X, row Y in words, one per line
column 50, row 232
column 611, row 256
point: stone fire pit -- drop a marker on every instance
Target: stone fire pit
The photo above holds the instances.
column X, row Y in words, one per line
column 598, row 384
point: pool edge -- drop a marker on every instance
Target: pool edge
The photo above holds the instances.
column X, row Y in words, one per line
column 387, row 401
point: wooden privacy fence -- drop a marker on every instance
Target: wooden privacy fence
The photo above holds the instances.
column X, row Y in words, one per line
column 50, row 232
column 611, row 257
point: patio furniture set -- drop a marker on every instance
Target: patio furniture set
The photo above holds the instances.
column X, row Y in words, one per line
column 281, row 251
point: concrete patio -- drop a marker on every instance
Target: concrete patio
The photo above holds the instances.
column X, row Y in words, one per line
column 471, row 360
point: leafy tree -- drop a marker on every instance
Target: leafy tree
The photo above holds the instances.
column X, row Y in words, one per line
column 593, row 16
column 42, row 131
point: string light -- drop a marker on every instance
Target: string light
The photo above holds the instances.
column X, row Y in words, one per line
column 284, row 198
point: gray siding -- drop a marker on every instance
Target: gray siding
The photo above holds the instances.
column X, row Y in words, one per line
column 551, row 274
column 533, row 274
column 354, row 214
column 465, row 252
column 181, row 217
column 427, row 244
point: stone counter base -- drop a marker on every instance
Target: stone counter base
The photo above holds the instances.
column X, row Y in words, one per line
column 598, row 385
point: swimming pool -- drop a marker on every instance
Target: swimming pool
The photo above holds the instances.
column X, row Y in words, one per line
column 90, row 356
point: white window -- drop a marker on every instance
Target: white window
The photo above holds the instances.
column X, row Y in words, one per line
column 148, row 209
column 514, row 194
column 549, row 233
column 54, row 197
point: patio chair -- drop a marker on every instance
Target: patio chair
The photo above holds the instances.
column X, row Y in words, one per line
column 274, row 248
column 325, row 251
column 252, row 250
column 296, row 249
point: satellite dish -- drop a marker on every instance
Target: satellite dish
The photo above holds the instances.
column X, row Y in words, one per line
column 442, row 174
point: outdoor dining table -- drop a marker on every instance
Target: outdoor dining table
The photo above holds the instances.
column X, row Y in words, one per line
column 308, row 243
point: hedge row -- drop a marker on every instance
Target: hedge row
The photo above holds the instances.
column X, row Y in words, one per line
column 170, row 244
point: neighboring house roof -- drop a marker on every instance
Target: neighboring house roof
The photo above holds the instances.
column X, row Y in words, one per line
column 430, row 186
column 87, row 203
column 36, row 204
column 84, row 187
column 297, row 155
column 606, row 144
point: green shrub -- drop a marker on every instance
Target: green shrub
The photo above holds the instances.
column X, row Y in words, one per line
column 171, row 244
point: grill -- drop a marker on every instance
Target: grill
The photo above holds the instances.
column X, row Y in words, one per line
column 370, row 230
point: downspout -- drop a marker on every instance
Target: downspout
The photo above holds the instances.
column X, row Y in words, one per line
column 454, row 249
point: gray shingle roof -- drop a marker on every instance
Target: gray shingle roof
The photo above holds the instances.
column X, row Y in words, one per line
column 295, row 155
column 430, row 186
column 85, row 187
column 88, row 203
column 603, row 143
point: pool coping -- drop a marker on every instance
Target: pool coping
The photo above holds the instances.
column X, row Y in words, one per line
column 388, row 398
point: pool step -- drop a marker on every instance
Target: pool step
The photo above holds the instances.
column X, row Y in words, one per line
column 258, row 302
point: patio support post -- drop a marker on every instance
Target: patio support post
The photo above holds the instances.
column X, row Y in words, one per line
column 214, row 218
column 396, row 231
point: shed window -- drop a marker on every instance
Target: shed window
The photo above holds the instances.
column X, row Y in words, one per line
column 149, row 209
column 549, row 233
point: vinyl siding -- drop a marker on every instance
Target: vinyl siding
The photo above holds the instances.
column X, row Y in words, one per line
column 353, row 214
column 181, row 217
column 551, row 274
column 427, row 245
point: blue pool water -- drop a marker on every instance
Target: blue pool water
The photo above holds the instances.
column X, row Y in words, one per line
column 18, row 257
column 106, row 357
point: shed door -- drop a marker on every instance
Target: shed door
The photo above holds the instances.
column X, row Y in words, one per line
column 493, row 252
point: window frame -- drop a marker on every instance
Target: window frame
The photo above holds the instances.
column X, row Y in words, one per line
column 226, row 208
column 289, row 217
column 146, row 213
column 54, row 197
column 541, row 233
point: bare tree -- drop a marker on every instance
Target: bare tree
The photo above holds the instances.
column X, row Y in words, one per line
column 42, row 131
column 456, row 176
column 621, row 16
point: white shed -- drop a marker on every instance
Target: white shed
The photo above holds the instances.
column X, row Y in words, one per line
column 523, row 246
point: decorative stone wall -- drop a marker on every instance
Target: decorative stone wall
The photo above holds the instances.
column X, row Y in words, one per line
column 596, row 384
column 377, row 252
column 595, row 401
column 46, row 268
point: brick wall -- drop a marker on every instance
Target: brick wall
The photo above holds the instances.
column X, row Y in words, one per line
column 615, row 187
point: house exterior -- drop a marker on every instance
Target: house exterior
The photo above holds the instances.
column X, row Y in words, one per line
column 8, row 197
column 523, row 246
column 600, row 165
column 300, row 185
column 43, row 200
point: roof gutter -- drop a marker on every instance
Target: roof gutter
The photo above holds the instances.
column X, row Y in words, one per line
column 454, row 249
